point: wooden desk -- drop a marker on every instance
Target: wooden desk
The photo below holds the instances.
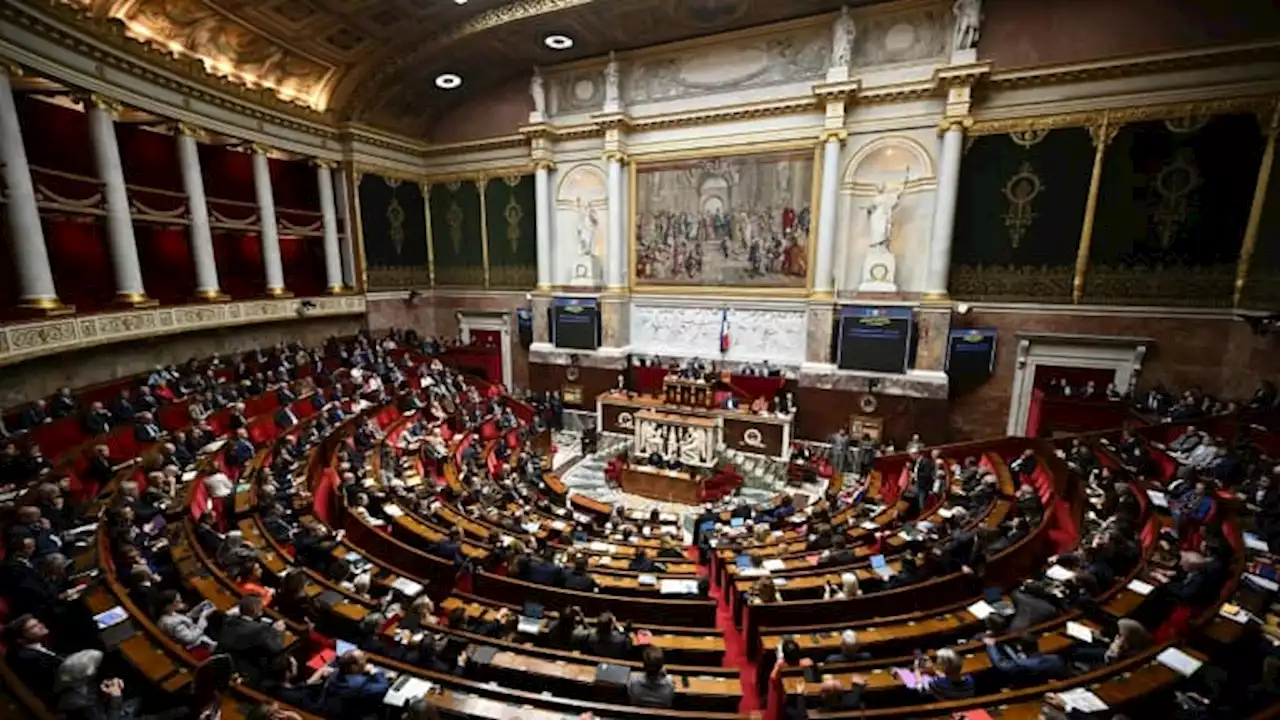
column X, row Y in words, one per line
column 667, row 485
column 741, row 429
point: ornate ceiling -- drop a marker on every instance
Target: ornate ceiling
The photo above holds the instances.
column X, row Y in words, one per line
column 375, row 61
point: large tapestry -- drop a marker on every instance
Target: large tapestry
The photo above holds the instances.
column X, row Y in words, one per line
column 1172, row 209
column 394, row 227
column 1019, row 214
column 457, row 233
column 739, row 221
column 511, row 223
column 1262, row 285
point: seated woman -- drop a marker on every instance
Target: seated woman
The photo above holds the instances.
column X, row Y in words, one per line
column 249, row 581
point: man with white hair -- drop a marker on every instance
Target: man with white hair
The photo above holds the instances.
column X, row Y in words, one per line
column 849, row 651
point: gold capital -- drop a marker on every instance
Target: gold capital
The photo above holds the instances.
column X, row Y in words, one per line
column 616, row 156
column 185, row 128
column 836, row 134
column 322, row 163
column 544, row 164
column 259, row 148
column 964, row 122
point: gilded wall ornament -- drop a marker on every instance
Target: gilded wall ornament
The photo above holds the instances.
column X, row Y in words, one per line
column 514, row 214
column 1028, row 137
column 1177, row 180
column 1021, row 191
column 454, row 218
column 395, row 224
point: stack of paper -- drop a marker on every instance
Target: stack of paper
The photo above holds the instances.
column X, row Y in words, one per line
column 1176, row 660
column 1059, row 573
column 648, row 580
column 774, row 564
column 1253, row 542
column 408, row 587
column 980, row 609
column 1140, row 587
column 1158, row 498
column 1078, row 631
column 1082, row 700
column 678, row 587
column 392, row 510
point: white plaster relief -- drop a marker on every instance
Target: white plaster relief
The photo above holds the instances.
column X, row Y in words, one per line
column 778, row 336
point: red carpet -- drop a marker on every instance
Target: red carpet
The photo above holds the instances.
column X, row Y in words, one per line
column 735, row 654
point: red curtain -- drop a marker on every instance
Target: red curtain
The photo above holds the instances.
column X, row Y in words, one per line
column 228, row 174
column 1034, row 413
column 56, row 137
column 303, row 262
column 150, row 158
column 167, row 266
column 294, row 185
column 80, row 260
column 239, row 257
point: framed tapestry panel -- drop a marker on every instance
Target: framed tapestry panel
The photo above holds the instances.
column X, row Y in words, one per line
column 735, row 221
column 1019, row 214
column 511, row 225
column 457, row 233
column 1261, row 289
column 1172, row 208
column 393, row 224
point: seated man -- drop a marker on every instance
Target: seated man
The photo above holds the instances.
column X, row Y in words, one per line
column 849, row 651
column 651, row 687
column 146, row 430
column 97, row 421
column 1024, row 661
column 241, row 450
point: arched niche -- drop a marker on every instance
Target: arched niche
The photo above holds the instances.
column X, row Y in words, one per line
column 889, row 159
column 582, row 207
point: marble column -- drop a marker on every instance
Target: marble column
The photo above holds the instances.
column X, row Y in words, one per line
column 270, row 234
column 545, row 208
column 329, row 222
column 824, row 261
column 121, row 242
column 541, row 328
column 202, row 255
column 345, row 240
column 616, row 248
column 26, row 237
column 944, row 211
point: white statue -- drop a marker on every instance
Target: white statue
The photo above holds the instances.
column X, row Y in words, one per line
column 538, row 89
column 880, row 214
column 968, row 22
column 691, row 448
column 587, row 224
column 612, row 82
column 842, row 34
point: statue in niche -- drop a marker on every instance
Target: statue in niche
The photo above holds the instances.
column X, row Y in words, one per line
column 538, row 89
column 968, row 24
column 588, row 222
column 880, row 213
column 612, row 81
column 842, row 34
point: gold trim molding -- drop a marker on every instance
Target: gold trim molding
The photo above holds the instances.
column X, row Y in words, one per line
column 1124, row 115
column 24, row 341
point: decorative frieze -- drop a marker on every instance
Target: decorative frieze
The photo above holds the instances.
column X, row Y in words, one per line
column 46, row 337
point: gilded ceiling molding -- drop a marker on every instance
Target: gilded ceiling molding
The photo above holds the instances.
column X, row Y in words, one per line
column 1123, row 116
column 480, row 175
column 144, row 62
column 1149, row 64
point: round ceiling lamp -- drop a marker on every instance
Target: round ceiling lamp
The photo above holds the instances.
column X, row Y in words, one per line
column 558, row 42
column 459, row 2
column 448, row 81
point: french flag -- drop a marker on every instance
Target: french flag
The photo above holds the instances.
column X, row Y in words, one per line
column 724, row 330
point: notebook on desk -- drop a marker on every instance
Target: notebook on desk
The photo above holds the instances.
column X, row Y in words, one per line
column 406, row 689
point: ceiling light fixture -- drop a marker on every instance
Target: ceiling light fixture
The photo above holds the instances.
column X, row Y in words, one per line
column 558, row 42
column 459, row 2
column 448, row 81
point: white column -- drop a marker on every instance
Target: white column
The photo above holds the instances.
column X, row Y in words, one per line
column 616, row 247
column 344, row 242
column 824, row 262
column 120, row 238
column 206, row 263
column 270, row 234
column 542, row 200
column 31, row 257
column 329, row 220
column 944, row 212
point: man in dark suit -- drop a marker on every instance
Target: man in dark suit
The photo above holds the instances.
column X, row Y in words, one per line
column 544, row 570
column 252, row 644
column 122, row 407
column 35, row 415
column 1025, row 465
column 33, row 663
column 63, row 404
column 921, row 478
column 849, row 650
column 1024, row 661
column 101, row 467
column 146, row 401
column 97, row 421
column 578, row 578
column 241, row 450
column 357, row 689
column 146, row 430
column 285, row 418
column 448, row 547
column 285, row 395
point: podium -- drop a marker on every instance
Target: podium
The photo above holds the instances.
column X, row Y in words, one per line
column 690, row 393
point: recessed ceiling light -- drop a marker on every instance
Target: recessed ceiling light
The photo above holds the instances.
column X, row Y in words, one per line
column 448, row 81
column 559, row 42
column 459, row 2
